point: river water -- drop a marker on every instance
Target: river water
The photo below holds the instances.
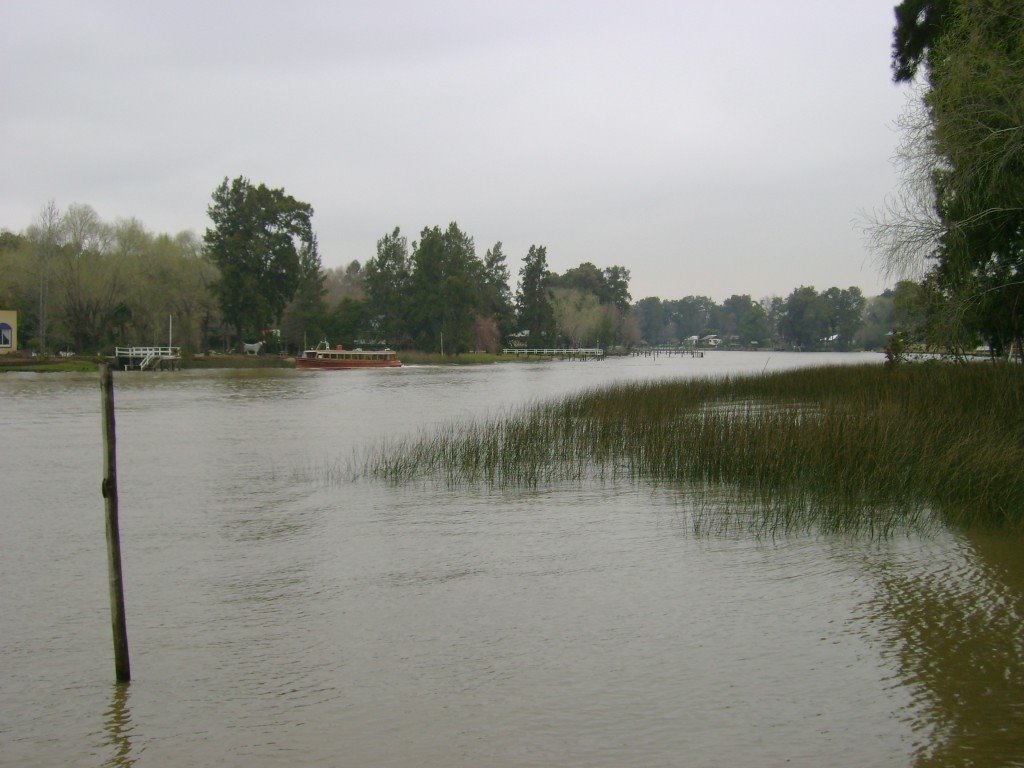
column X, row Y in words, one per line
column 281, row 614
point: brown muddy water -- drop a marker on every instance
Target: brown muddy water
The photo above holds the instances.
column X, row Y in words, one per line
column 278, row 619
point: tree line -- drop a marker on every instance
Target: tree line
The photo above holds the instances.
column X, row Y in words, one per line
column 83, row 284
column 835, row 319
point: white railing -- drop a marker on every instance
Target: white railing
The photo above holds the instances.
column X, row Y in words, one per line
column 143, row 352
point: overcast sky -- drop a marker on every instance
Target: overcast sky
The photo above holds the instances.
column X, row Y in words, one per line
column 710, row 146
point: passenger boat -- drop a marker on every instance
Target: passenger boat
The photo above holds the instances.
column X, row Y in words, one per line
column 323, row 356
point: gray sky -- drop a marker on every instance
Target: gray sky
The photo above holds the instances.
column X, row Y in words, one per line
column 711, row 147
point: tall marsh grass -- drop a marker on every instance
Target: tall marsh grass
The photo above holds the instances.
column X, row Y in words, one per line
column 843, row 448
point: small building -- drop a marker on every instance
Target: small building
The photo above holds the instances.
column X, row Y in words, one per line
column 8, row 331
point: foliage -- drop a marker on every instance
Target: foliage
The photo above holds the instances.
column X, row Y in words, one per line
column 919, row 23
column 305, row 317
column 263, row 244
column 534, row 309
column 580, row 318
column 498, row 308
column 82, row 284
column 959, row 217
column 444, row 290
column 805, row 322
column 119, row 283
column 591, row 305
column 386, row 281
column 742, row 320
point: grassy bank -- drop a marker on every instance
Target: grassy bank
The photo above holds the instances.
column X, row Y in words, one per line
column 86, row 364
column 50, row 365
column 46, row 365
column 842, row 448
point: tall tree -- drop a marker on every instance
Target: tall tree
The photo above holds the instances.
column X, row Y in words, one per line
column 497, row 295
column 257, row 240
column 845, row 314
column 616, row 288
column 650, row 315
column 976, row 103
column 692, row 315
column 533, row 299
column 48, row 233
column 744, row 319
column 386, row 282
column 305, row 317
column 805, row 323
column 444, row 290
column 581, row 319
column 960, row 219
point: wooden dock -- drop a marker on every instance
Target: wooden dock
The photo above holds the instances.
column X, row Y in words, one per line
column 584, row 353
column 147, row 358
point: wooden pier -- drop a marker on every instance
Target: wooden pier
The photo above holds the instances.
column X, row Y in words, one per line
column 147, row 358
column 585, row 353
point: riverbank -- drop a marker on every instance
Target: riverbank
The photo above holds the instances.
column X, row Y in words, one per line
column 83, row 364
column 79, row 364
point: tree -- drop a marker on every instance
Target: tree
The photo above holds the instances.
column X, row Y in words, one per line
column 960, row 216
column 844, row 314
column 444, row 290
column 579, row 317
column 534, row 310
column 919, row 24
column 48, row 235
column 305, row 317
column 976, row 102
column 650, row 315
column 692, row 315
column 386, row 281
column 348, row 320
column 344, row 282
column 774, row 310
column 586, row 277
column 90, row 281
column 616, row 288
column 497, row 296
column 804, row 323
column 877, row 327
column 742, row 317
column 259, row 240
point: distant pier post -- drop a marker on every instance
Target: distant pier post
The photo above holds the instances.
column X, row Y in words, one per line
column 109, row 490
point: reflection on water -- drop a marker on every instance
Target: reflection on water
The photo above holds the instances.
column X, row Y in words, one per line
column 118, row 726
column 954, row 629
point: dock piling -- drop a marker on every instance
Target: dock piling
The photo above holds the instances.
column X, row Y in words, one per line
column 118, row 623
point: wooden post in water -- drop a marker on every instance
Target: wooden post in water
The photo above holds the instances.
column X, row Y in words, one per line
column 109, row 491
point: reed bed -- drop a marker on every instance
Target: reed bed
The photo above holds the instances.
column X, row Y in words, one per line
column 842, row 448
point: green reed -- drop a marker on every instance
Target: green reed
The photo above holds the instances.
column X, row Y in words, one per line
column 845, row 447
